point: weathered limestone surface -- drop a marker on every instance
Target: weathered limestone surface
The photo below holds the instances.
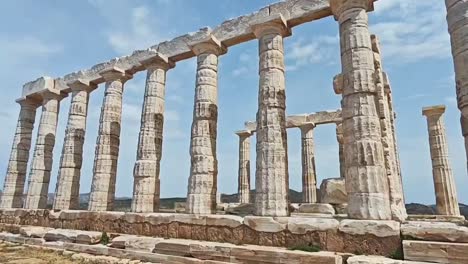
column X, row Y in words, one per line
column 41, row 165
column 397, row 203
column 146, row 184
column 108, row 142
column 317, row 208
column 333, row 191
column 34, row 231
column 382, row 238
column 438, row 252
column 203, row 180
column 444, row 183
column 244, row 167
column 15, row 178
column 67, row 190
column 271, row 176
column 379, row 260
column 366, row 180
column 458, row 28
column 435, row 231
column 309, row 177
column 341, row 158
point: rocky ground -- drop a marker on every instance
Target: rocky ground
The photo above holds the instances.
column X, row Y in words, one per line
column 16, row 254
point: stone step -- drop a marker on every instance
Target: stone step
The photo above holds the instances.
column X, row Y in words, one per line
column 154, row 249
column 436, row 252
column 380, row 260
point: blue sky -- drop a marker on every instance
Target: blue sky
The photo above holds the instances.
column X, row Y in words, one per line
column 54, row 38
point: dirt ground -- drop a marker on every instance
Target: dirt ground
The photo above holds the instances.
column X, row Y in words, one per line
column 14, row 254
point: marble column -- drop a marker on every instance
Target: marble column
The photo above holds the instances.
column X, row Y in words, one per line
column 366, row 179
column 397, row 203
column 147, row 166
column 15, row 178
column 444, row 183
column 339, row 138
column 271, row 176
column 309, row 177
column 41, row 165
column 243, row 190
column 202, row 185
column 108, row 142
column 457, row 19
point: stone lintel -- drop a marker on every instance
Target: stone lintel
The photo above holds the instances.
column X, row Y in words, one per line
column 204, row 41
column 271, row 24
column 339, row 6
column 115, row 73
column 82, row 85
column 435, row 110
column 157, row 60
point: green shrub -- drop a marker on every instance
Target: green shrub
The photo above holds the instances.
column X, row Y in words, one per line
column 306, row 248
column 105, row 239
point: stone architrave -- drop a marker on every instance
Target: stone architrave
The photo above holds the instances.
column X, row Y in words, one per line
column 13, row 187
column 67, row 190
column 108, row 141
column 366, row 181
column 339, row 138
column 444, row 184
column 397, row 202
column 244, row 167
column 202, row 185
column 41, row 165
column 457, row 20
column 271, row 176
column 146, row 184
column 309, row 177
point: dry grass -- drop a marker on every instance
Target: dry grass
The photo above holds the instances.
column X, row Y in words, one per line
column 14, row 254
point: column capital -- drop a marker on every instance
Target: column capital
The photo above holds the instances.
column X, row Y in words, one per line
column 306, row 127
column 81, row 85
column 338, row 7
column 272, row 24
column 338, row 83
column 31, row 102
column 207, row 44
column 433, row 111
column 244, row 133
column 52, row 94
column 115, row 73
column 157, row 60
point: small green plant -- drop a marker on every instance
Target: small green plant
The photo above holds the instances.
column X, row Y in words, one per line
column 105, row 239
column 306, row 248
column 398, row 254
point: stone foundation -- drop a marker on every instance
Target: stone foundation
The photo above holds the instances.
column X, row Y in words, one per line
column 351, row 236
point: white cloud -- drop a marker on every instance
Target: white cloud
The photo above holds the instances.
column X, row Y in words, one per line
column 20, row 49
column 304, row 52
column 451, row 101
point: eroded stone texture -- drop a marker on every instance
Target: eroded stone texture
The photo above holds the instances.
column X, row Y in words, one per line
column 67, row 190
column 366, row 181
column 244, row 167
column 271, row 177
column 41, row 165
column 397, row 203
column 13, row 187
column 437, row 252
column 309, row 177
column 146, row 184
column 333, row 191
column 458, row 29
column 339, row 138
column 202, row 184
column 108, row 142
column 444, row 184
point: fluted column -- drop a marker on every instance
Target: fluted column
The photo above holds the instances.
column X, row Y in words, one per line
column 444, row 184
column 339, row 138
column 67, row 190
column 271, row 176
column 108, row 142
column 366, row 181
column 457, row 19
column 243, row 190
column 15, row 178
column 202, row 184
column 41, row 165
column 397, row 203
column 147, row 166
column 309, row 177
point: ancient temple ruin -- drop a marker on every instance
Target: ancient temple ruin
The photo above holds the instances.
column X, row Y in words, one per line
column 374, row 220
